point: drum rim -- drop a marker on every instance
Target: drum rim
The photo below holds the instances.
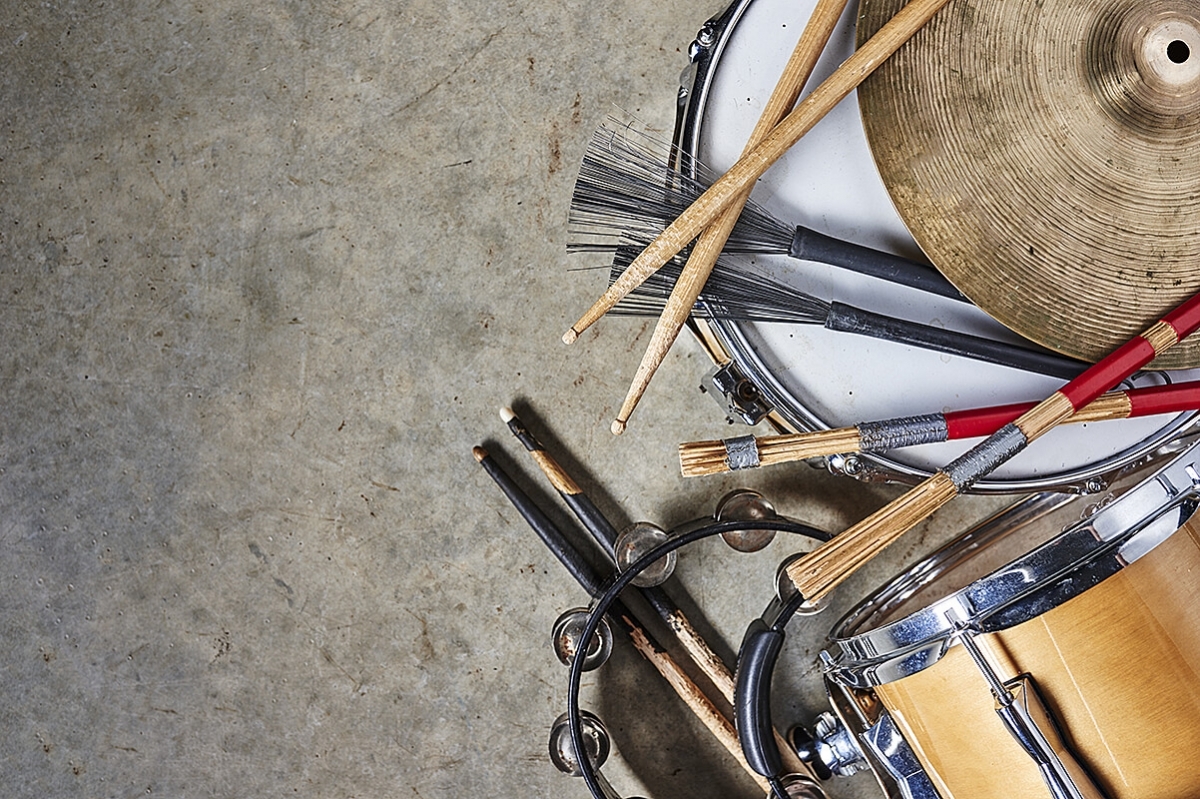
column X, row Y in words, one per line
column 690, row 109
column 1072, row 561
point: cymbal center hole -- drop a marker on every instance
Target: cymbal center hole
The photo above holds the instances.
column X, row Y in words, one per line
column 1178, row 51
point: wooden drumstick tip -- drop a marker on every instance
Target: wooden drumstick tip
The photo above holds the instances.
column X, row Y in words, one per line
column 570, row 336
column 480, row 453
column 618, row 426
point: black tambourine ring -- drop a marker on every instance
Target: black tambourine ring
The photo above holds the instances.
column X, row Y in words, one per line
column 618, row 583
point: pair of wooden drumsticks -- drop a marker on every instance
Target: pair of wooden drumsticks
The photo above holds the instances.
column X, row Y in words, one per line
column 714, row 214
column 712, row 217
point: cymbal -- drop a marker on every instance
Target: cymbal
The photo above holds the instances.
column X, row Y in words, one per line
column 1046, row 157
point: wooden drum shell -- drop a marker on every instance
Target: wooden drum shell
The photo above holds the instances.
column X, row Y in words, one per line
column 1119, row 667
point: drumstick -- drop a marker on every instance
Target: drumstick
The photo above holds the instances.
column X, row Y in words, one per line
column 704, row 254
column 753, row 164
column 716, row 722
column 746, row 452
column 605, row 534
column 818, row 572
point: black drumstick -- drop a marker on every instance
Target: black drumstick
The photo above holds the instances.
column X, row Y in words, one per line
column 579, row 503
column 606, row 535
column 691, row 694
column 546, row 530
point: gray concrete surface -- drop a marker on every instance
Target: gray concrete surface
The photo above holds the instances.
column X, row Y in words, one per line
column 267, row 272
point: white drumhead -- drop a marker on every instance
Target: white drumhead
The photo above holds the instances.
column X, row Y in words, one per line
column 824, row 379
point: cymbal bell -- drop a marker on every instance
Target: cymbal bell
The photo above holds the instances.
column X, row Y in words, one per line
column 1046, row 157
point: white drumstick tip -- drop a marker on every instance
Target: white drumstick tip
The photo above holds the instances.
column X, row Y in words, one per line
column 618, row 427
column 570, row 336
column 507, row 415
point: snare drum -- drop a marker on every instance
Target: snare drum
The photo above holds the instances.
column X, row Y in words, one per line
column 812, row 378
column 1103, row 619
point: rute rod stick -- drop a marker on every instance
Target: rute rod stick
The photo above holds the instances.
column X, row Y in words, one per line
column 750, row 167
column 712, row 457
column 717, row 723
column 706, row 250
column 817, row 573
column 605, row 534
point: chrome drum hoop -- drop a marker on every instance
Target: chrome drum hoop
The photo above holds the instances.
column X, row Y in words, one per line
column 1064, row 567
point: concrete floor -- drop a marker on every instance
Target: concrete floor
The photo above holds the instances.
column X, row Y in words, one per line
column 267, row 273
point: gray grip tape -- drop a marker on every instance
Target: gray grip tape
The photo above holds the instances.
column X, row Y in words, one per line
column 906, row 431
column 981, row 459
column 741, row 452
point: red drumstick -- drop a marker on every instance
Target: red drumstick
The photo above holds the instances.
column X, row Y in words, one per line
column 817, row 573
column 747, row 452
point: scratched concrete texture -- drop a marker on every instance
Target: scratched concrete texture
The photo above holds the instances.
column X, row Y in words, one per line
column 267, row 273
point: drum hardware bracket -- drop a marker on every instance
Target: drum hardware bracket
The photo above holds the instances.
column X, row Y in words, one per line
column 885, row 741
column 737, row 396
column 829, row 748
column 1024, row 713
column 697, row 75
column 863, row 735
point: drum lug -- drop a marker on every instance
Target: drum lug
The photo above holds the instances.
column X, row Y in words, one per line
column 1027, row 718
column 739, row 398
column 833, row 749
column 712, row 31
column 881, row 746
column 829, row 748
column 904, row 772
column 699, row 54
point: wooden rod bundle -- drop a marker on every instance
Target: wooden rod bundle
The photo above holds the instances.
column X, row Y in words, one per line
column 714, row 457
column 820, row 571
column 717, row 723
column 751, row 166
column 704, row 254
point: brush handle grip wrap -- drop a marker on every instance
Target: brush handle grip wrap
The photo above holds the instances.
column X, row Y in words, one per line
column 848, row 319
column 809, row 245
column 904, row 431
column 1123, row 361
column 1164, row 399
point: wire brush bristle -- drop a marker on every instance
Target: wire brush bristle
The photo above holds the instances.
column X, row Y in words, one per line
column 633, row 183
column 730, row 293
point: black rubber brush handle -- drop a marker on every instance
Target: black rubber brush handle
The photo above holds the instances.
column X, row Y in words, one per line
column 848, row 319
column 809, row 245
